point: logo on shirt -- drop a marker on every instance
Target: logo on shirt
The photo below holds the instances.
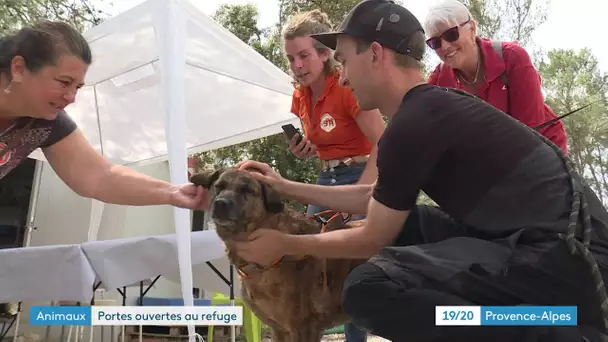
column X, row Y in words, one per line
column 328, row 123
column 6, row 157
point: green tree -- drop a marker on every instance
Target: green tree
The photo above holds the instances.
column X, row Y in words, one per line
column 241, row 20
column 80, row 13
column 523, row 17
column 573, row 79
column 487, row 15
column 336, row 10
column 508, row 19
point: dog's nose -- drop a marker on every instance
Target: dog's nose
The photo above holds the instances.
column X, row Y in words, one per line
column 221, row 204
column 222, row 207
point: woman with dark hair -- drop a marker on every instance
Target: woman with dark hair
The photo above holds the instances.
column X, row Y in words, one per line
column 501, row 73
column 42, row 67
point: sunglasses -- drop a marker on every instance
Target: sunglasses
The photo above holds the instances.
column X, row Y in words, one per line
column 450, row 35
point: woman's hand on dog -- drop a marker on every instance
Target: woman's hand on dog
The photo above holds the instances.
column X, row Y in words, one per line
column 189, row 196
column 263, row 247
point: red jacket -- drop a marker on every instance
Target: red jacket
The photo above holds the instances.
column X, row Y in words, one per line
column 525, row 100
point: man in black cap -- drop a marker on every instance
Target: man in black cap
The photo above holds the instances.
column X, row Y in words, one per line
column 515, row 225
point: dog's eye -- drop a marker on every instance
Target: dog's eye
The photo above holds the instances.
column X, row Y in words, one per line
column 244, row 189
column 220, row 186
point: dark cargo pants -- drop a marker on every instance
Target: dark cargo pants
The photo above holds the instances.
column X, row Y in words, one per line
column 436, row 261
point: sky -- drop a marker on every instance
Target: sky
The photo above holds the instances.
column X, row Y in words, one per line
column 570, row 24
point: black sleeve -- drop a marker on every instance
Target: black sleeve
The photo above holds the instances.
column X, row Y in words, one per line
column 61, row 127
column 407, row 153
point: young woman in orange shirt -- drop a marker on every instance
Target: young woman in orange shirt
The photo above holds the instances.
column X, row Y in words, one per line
column 341, row 135
column 336, row 130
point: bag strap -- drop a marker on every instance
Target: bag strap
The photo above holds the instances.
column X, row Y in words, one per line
column 497, row 46
column 18, row 136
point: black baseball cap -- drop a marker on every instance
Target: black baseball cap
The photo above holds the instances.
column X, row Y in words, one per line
column 382, row 21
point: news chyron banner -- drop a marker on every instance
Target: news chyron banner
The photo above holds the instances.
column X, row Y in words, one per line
column 506, row 315
column 136, row 315
column 233, row 315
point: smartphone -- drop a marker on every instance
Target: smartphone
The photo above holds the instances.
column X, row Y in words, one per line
column 290, row 131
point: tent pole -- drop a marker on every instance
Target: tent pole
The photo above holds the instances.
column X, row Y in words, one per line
column 31, row 215
column 170, row 27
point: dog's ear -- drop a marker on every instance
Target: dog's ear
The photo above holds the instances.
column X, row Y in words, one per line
column 206, row 178
column 272, row 200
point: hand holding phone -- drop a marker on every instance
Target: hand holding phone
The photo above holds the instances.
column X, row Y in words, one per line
column 302, row 148
column 290, row 131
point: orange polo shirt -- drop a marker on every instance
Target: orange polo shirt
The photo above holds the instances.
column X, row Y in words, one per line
column 331, row 125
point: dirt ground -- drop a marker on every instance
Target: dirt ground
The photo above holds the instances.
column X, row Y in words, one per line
column 340, row 338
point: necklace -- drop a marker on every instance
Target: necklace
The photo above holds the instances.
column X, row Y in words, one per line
column 476, row 73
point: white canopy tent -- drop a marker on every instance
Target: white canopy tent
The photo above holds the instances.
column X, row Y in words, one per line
column 167, row 80
column 231, row 94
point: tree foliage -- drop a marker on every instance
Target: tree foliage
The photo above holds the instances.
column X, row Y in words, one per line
column 242, row 21
column 572, row 79
column 80, row 13
column 508, row 19
column 336, row 10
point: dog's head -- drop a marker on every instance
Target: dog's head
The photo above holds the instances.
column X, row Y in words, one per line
column 237, row 201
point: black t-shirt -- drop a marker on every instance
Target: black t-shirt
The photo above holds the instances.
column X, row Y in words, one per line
column 41, row 133
column 478, row 164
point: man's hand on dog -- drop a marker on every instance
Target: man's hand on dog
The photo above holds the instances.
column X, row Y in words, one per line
column 263, row 173
column 263, row 247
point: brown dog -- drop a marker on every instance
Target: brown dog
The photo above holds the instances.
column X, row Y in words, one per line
column 298, row 297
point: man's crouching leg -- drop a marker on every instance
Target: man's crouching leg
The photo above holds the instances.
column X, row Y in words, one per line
column 404, row 310
column 392, row 310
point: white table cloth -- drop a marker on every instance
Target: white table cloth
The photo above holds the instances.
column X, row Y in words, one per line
column 205, row 278
column 125, row 261
column 42, row 273
column 69, row 272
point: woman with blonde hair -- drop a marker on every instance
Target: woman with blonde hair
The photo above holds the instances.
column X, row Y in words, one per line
column 501, row 73
column 336, row 130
